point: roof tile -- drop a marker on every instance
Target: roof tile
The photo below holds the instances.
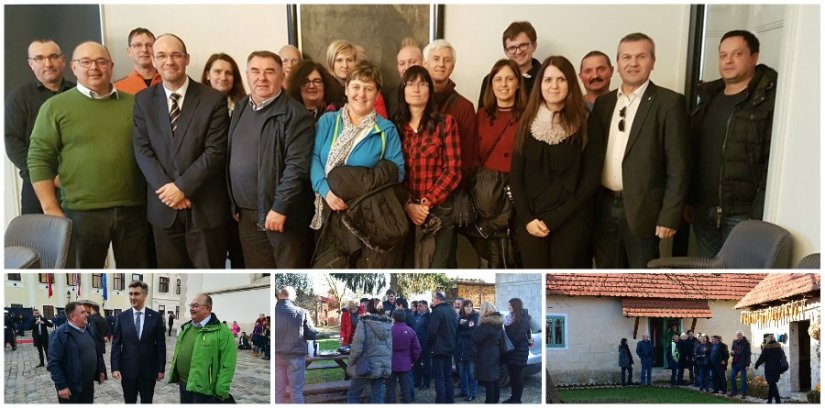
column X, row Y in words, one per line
column 778, row 286
column 666, row 308
column 718, row 286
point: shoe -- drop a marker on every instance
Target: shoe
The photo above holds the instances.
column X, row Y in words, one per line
column 470, row 398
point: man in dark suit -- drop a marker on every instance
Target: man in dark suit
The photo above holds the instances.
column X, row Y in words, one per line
column 138, row 347
column 645, row 176
column 180, row 145
column 40, row 334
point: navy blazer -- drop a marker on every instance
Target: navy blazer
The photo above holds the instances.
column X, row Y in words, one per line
column 143, row 358
column 194, row 159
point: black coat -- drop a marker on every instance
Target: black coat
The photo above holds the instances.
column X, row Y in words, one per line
column 100, row 331
column 771, row 354
column 487, row 340
column 466, row 348
column 519, row 334
column 40, row 334
column 441, row 330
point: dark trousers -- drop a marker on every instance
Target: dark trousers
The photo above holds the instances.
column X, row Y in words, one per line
column 187, row 397
column 492, row 391
column 291, row 251
column 681, row 373
column 183, row 245
column 442, row 375
column 717, row 376
column 516, row 382
column 124, row 227
column 170, row 329
column 87, row 396
column 568, row 247
column 131, row 388
column 402, row 378
column 29, row 204
column 233, row 245
column 423, row 369
column 629, row 378
column 615, row 246
column 773, row 392
column 43, row 348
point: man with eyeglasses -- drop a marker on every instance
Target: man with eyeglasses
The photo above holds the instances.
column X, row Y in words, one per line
column 205, row 354
column 84, row 136
column 519, row 42
column 139, row 50
column 180, row 145
column 595, row 72
column 22, row 105
column 645, row 174
column 270, row 145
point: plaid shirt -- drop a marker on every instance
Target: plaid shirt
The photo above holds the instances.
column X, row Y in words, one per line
column 433, row 163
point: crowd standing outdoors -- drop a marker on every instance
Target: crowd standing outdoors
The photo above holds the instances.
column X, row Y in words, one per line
column 158, row 165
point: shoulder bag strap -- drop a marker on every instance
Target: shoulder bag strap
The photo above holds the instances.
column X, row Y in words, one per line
column 498, row 140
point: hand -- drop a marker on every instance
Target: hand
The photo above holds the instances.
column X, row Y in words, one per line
column 665, row 232
column 417, row 212
column 688, row 214
column 236, row 217
column 274, row 221
column 184, row 204
column 170, row 195
column 64, row 393
column 160, row 376
column 538, row 229
column 116, row 375
column 335, row 203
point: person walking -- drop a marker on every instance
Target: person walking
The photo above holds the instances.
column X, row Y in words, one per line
column 626, row 362
column 489, row 351
column 517, row 327
column 718, row 363
column 405, row 351
column 775, row 362
column 644, row 349
column 372, row 341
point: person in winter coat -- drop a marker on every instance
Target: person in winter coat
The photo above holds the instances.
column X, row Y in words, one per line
column 626, row 362
column 467, row 325
column 685, row 347
column 440, row 341
column 673, row 358
column 517, row 327
column 349, row 319
column 718, row 364
column 644, row 349
column 740, row 352
column 423, row 367
column 488, row 342
column 74, row 364
column 405, row 351
column 235, row 328
column 772, row 356
column 373, row 341
column 701, row 357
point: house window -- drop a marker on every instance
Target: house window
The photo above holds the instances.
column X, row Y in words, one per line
column 162, row 309
column 48, row 311
column 177, row 291
column 44, row 277
column 164, row 285
column 14, row 277
column 117, row 281
column 16, row 305
column 177, row 310
column 556, row 331
column 137, row 277
column 71, row 279
column 97, row 280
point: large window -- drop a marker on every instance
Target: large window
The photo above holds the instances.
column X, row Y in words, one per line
column 137, row 277
column 162, row 309
column 163, row 286
column 97, row 280
column 117, row 281
column 556, row 331
column 177, row 289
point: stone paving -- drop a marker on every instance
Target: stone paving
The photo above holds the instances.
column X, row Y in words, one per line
column 26, row 384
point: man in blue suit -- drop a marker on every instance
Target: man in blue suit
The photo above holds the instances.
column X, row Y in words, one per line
column 139, row 347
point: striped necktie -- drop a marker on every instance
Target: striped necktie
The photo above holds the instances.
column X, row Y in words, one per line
column 174, row 113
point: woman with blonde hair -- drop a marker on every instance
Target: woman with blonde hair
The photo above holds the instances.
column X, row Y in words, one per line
column 341, row 59
column 487, row 339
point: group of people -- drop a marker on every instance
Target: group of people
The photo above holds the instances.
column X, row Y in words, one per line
column 75, row 351
column 707, row 358
column 260, row 338
column 537, row 177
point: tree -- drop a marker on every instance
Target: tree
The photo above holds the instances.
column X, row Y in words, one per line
column 302, row 285
column 403, row 283
column 361, row 282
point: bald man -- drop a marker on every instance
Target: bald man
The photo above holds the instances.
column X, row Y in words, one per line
column 87, row 131
column 293, row 326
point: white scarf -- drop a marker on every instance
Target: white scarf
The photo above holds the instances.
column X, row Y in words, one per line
column 547, row 127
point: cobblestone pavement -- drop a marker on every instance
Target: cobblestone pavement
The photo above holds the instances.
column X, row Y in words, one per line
column 26, row 384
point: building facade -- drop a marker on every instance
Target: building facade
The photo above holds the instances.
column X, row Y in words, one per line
column 237, row 297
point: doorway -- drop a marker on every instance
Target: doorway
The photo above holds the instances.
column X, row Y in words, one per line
column 661, row 331
column 804, row 349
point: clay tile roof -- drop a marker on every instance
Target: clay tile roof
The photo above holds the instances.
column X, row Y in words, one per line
column 778, row 286
column 633, row 307
column 717, row 286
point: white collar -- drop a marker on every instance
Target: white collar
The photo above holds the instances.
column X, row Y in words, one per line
column 180, row 91
column 141, row 310
column 93, row 95
column 83, row 330
column 264, row 103
column 638, row 92
column 203, row 322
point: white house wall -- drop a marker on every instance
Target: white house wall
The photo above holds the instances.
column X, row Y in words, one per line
column 525, row 286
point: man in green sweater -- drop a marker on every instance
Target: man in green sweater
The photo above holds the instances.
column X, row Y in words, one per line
column 82, row 140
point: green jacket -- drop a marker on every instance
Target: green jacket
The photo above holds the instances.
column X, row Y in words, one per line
column 213, row 359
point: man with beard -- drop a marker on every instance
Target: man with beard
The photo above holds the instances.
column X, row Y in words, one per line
column 595, row 71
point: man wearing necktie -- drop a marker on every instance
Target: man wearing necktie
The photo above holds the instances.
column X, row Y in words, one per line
column 40, row 334
column 139, row 347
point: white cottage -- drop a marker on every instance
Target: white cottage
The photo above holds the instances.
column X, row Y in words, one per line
column 589, row 313
column 787, row 306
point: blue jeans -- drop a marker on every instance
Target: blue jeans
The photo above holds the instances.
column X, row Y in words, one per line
column 703, row 377
column 469, row 385
column 289, row 371
column 614, row 245
column 709, row 238
column 356, row 388
column 403, row 378
column 646, row 370
column 423, row 369
column 734, row 370
column 674, row 366
column 442, row 375
column 411, row 387
column 629, row 378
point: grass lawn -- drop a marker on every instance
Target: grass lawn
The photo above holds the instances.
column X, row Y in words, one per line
column 334, row 373
column 642, row 395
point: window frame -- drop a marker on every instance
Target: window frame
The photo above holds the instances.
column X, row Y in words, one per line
column 564, row 327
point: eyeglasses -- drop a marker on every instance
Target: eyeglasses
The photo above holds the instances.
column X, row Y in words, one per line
column 175, row 56
column 520, row 48
column 41, row 59
column 622, row 113
column 314, row 82
column 142, row 45
column 87, row 62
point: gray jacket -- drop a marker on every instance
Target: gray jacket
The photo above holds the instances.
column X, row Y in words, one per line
column 378, row 344
column 293, row 327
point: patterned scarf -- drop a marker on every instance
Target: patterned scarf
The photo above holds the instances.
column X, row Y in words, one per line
column 547, row 127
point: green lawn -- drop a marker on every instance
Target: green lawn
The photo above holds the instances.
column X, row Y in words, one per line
column 642, row 395
column 326, row 375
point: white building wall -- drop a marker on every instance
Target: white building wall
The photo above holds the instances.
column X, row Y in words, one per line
column 237, row 297
column 525, row 286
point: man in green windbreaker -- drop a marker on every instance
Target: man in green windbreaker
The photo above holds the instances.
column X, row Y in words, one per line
column 204, row 359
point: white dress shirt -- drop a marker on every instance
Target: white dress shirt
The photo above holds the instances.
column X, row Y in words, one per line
column 617, row 140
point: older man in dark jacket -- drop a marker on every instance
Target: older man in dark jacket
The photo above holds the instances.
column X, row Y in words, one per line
column 74, row 364
column 644, row 349
column 423, row 367
column 740, row 352
column 440, row 341
column 269, row 147
column 293, row 326
column 718, row 364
